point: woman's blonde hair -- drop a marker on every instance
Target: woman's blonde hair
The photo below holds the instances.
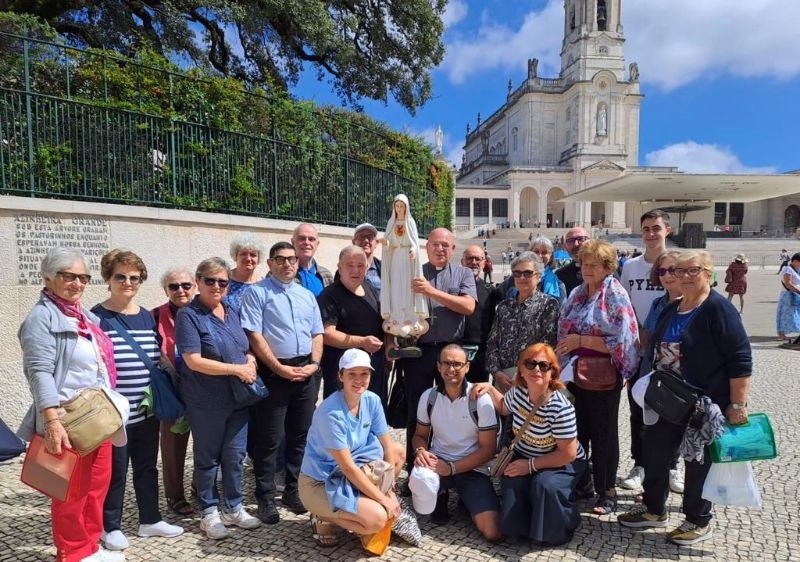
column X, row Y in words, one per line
column 601, row 250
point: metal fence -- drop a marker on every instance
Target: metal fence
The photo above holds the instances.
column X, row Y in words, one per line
column 57, row 146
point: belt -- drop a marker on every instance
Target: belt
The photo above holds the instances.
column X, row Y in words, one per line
column 299, row 361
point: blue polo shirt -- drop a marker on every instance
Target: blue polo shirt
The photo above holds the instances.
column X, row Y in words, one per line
column 286, row 314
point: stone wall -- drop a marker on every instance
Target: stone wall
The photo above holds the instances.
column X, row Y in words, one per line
column 163, row 238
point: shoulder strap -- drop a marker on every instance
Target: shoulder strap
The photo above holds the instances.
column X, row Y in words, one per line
column 132, row 343
column 527, row 423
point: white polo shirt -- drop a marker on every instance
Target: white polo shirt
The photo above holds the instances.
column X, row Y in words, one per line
column 455, row 434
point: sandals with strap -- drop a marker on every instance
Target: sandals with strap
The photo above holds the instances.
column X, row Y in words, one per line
column 180, row 506
column 605, row 505
column 325, row 533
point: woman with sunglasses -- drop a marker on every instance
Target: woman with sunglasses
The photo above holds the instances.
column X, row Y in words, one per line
column 529, row 317
column 63, row 352
column 700, row 339
column 213, row 347
column 179, row 287
column 598, row 324
column 538, row 486
column 123, row 320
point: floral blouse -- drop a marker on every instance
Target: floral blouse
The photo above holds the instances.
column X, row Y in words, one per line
column 607, row 313
column 518, row 325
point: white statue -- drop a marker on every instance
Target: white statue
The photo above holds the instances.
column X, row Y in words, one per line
column 404, row 311
column 438, row 137
column 602, row 121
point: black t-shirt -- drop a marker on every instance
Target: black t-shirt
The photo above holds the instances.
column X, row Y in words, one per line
column 570, row 275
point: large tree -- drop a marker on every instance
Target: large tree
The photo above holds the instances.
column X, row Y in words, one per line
column 365, row 48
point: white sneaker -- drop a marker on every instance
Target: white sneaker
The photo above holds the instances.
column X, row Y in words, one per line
column 103, row 555
column 213, row 527
column 114, row 540
column 634, row 479
column 240, row 518
column 676, row 481
column 160, row 529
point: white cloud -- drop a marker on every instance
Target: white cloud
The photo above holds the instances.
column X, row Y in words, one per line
column 455, row 12
column 500, row 47
column 692, row 157
column 675, row 42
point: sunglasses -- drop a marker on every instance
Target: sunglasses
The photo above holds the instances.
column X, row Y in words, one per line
column 527, row 274
column 457, row 365
column 577, row 240
column 68, row 277
column 133, row 279
column 532, row 365
column 661, row 272
column 211, row 281
column 175, row 286
column 280, row 260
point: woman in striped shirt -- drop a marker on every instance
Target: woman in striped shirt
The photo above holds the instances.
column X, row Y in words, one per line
column 122, row 319
column 538, row 486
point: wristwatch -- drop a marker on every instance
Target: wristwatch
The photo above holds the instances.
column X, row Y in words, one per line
column 739, row 405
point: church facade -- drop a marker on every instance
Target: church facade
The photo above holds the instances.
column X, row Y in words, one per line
column 557, row 136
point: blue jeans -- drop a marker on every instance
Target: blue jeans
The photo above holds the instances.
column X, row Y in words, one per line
column 220, row 440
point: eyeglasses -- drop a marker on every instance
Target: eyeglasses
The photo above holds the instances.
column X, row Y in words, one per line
column 281, row 260
column 577, row 240
column 211, row 281
column 661, row 272
column 473, row 258
column 532, row 365
column 175, row 286
column 693, row 271
column 527, row 274
column 457, row 365
column 68, row 277
column 132, row 279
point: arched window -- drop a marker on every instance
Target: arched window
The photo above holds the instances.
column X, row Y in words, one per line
column 602, row 15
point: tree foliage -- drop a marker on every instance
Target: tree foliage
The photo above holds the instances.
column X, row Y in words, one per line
column 365, row 48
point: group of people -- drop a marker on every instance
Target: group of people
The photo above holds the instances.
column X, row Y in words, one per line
column 301, row 329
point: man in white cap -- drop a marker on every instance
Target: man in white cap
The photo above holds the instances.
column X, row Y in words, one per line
column 455, row 436
column 365, row 237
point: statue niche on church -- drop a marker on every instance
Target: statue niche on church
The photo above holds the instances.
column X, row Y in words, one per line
column 533, row 65
column 634, row 72
column 602, row 121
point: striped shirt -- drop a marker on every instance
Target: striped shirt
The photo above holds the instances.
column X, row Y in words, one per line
column 132, row 376
column 553, row 420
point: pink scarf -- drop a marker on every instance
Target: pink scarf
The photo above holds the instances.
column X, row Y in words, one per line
column 88, row 330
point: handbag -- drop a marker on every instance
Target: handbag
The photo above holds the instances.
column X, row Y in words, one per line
column 794, row 298
column 90, row 418
column 244, row 394
column 167, row 404
column 506, row 454
column 52, row 475
column 728, row 276
column 751, row 441
column 397, row 408
column 595, row 373
column 670, row 397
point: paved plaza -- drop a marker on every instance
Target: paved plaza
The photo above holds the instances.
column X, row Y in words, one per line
column 769, row 534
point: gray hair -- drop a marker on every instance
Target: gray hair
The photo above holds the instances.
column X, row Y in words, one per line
column 211, row 265
column 352, row 250
column 526, row 257
column 542, row 241
column 59, row 258
column 174, row 271
column 248, row 241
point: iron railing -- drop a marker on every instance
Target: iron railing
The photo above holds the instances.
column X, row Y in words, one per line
column 56, row 144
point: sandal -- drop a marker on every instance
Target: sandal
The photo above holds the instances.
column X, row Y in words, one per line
column 324, row 532
column 605, row 505
column 180, row 506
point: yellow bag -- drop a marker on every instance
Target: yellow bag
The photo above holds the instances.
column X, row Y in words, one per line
column 377, row 543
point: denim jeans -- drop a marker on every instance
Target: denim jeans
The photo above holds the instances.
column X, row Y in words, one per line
column 220, row 439
column 142, row 451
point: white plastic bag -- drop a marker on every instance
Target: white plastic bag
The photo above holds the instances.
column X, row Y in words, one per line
column 733, row 484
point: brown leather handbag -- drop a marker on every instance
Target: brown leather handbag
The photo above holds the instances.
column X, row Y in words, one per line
column 596, row 373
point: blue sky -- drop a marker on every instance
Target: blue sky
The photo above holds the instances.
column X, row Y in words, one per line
column 721, row 78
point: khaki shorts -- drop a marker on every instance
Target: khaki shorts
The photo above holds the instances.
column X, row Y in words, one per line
column 315, row 499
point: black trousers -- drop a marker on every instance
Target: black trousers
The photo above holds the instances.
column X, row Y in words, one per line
column 283, row 417
column 637, row 424
column 142, row 452
column 420, row 374
column 597, row 415
column 659, row 448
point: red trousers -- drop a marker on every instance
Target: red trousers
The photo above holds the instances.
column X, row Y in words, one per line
column 77, row 524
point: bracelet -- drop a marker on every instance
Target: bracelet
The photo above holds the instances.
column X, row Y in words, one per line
column 452, row 466
column 532, row 465
column 417, row 450
column 48, row 422
column 347, row 340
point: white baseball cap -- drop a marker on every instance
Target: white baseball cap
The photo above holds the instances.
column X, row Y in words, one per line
column 365, row 226
column 355, row 358
column 650, row 417
column 424, row 485
column 119, row 438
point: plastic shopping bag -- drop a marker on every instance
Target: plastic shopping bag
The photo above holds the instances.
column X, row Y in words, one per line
column 732, row 484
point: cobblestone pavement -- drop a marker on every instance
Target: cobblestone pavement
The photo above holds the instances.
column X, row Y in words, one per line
column 739, row 535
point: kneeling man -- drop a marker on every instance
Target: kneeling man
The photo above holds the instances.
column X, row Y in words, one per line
column 454, row 437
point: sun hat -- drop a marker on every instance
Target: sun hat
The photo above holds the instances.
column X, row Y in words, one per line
column 741, row 257
column 637, row 393
column 353, row 358
column 119, row 438
column 424, row 486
